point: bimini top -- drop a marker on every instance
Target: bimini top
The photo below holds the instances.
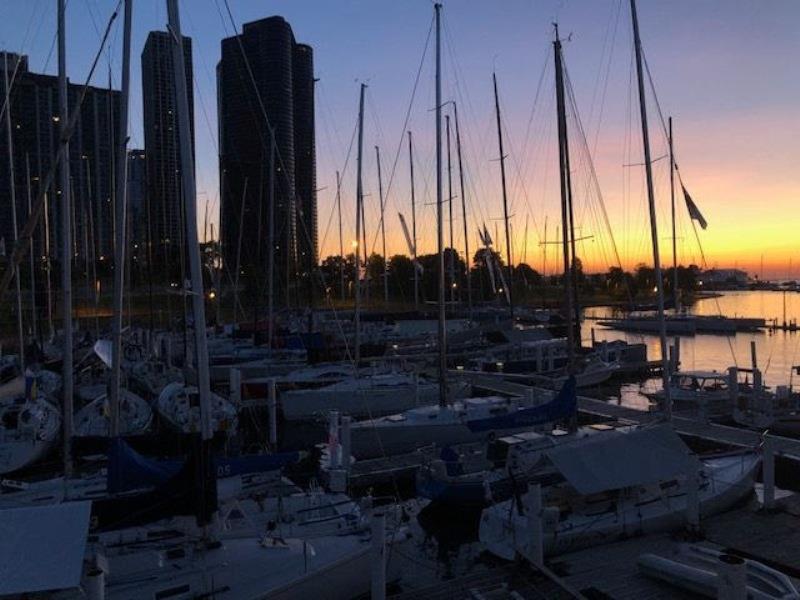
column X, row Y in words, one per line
column 42, row 547
column 617, row 460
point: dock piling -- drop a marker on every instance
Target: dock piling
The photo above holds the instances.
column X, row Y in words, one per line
column 692, row 499
column 768, row 473
column 534, row 546
column 378, row 557
column 272, row 410
column 344, row 439
column 235, row 386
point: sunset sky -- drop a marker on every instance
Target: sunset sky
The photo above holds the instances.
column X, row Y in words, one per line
column 725, row 70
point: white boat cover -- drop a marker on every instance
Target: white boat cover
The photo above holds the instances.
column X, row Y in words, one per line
column 104, row 351
column 618, row 460
column 42, row 547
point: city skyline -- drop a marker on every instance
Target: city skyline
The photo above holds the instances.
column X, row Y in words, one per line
column 716, row 69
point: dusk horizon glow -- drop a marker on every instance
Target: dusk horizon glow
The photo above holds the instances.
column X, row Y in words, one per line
column 720, row 69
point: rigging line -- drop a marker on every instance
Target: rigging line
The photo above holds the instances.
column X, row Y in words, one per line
column 607, row 78
column 333, row 204
column 25, row 40
column 592, row 171
column 403, row 130
column 476, row 184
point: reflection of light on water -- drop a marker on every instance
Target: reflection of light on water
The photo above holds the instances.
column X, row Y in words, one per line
column 777, row 351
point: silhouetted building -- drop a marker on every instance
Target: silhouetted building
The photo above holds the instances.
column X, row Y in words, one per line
column 35, row 123
column 265, row 75
column 162, row 147
column 137, row 196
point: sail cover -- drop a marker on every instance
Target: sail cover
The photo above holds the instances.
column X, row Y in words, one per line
column 42, row 547
column 619, row 460
column 129, row 470
column 561, row 407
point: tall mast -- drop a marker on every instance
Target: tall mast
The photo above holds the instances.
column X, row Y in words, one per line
column 120, row 210
column 439, row 217
column 467, row 260
column 383, row 230
column 563, row 161
column 451, row 267
column 652, row 206
column 359, row 218
column 271, row 239
column 341, row 238
column 48, row 266
column 34, row 328
column 66, row 243
column 413, row 223
column 510, row 282
column 239, row 253
column 675, row 291
column 12, row 187
column 190, row 204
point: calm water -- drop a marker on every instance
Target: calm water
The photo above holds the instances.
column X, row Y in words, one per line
column 776, row 351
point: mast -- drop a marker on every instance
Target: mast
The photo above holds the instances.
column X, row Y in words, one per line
column 34, row 328
column 271, row 240
column 12, row 187
column 413, row 222
column 359, row 218
column 239, row 252
column 505, row 201
column 652, row 206
column 341, row 238
column 120, row 209
column 48, row 266
column 563, row 160
column 451, row 267
column 439, row 222
column 468, row 260
column 66, row 239
column 675, row 291
column 383, row 231
column 190, row 200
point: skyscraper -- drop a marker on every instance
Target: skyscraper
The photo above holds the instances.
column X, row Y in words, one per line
column 35, row 133
column 265, row 79
column 163, row 207
column 137, row 217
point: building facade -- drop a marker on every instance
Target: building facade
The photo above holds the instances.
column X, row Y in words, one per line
column 35, row 125
column 163, row 205
column 266, row 80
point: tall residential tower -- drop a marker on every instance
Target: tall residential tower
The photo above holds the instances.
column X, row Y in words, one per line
column 266, row 80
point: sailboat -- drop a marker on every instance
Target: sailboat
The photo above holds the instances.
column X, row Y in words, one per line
column 612, row 487
column 29, row 428
column 132, row 562
column 467, row 420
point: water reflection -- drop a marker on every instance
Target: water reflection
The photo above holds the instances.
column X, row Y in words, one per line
column 776, row 351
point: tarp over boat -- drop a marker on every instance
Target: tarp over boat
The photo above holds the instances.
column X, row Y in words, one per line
column 129, row 470
column 619, row 460
column 42, row 547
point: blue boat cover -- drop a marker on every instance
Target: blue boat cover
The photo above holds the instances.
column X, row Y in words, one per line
column 129, row 470
column 561, row 407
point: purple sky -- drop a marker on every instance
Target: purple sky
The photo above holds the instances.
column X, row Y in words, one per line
column 723, row 68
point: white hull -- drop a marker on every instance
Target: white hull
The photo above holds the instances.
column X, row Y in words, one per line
column 135, row 416
column 504, row 530
column 372, row 442
column 28, row 429
column 370, row 401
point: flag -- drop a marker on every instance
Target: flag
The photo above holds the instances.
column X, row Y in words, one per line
column 694, row 212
